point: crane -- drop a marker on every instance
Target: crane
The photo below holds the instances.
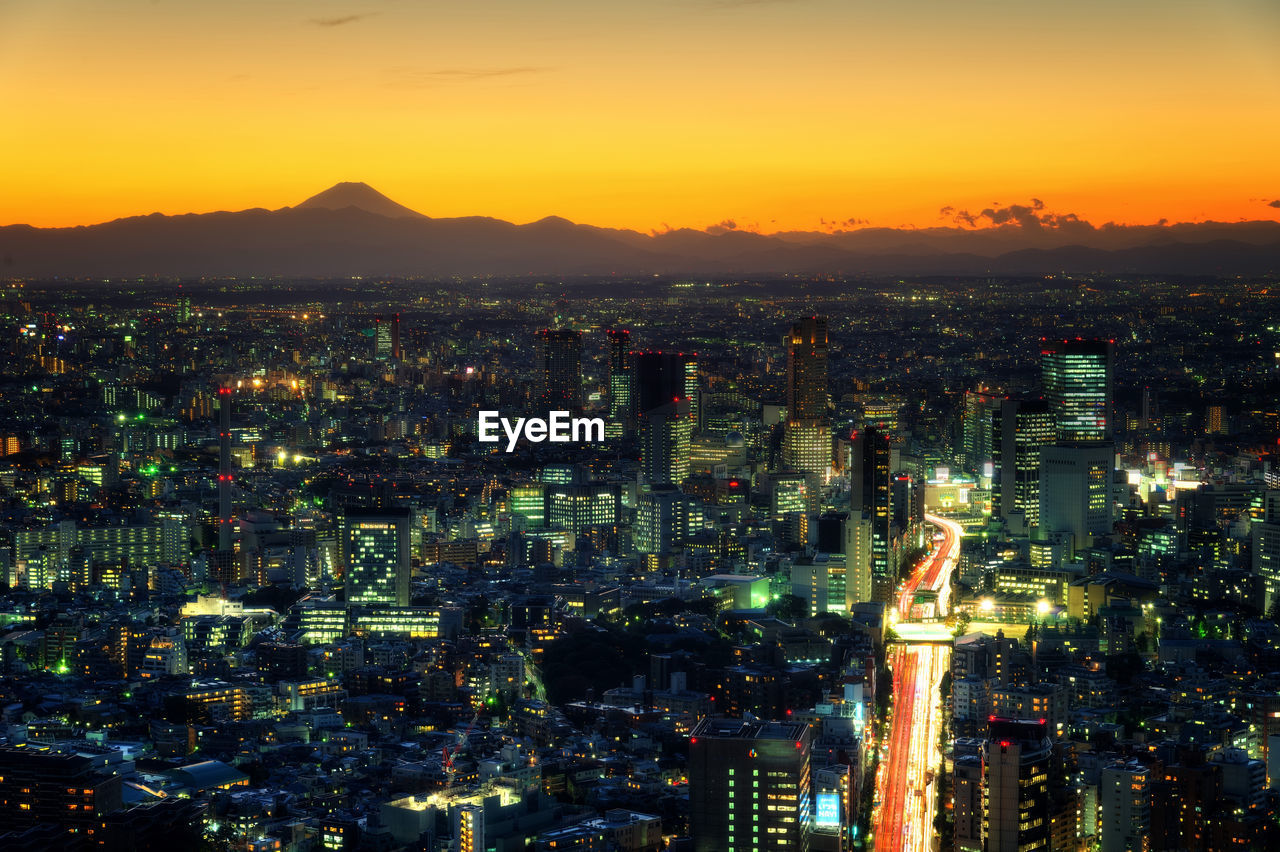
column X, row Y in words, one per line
column 451, row 752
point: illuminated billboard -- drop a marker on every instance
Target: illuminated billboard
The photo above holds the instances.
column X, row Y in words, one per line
column 828, row 815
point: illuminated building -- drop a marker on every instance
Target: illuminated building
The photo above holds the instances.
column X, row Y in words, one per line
column 63, row 790
column 1266, row 550
column 664, row 434
column 405, row 622
column 470, row 831
column 749, row 786
column 560, row 370
column 1015, row 786
column 308, row 695
column 822, row 582
column 1075, row 493
column 806, row 346
column 978, row 442
column 871, row 499
column 382, row 347
column 576, row 507
column 806, row 447
column 375, row 548
column 661, row 520
column 167, row 655
column 218, row 701
column 1076, row 376
column 1124, row 794
column 806, row 442
column 1020, row 429
column 620, row 376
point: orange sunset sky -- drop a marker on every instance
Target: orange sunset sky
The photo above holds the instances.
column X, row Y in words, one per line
column 777, row 115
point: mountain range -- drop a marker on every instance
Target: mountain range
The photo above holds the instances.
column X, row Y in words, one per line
column 351, row 229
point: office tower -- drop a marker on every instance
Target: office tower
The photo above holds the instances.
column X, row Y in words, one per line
column 1124, row 795
column 806, row 346
column 382, row 334
column 661, row 405
column 1015, row 786
column 619, row 375
column 749, row 786
column 857, row 557
column 806, row 437
column 664, row 434
column 976, row 438
column 560, row 370
column 1020, row 429
column 375, row 545
column 225, row 519
column 871, row 498
column 661, row 520
column 1076, row 376
column 396, row 352
column 529, row 501
column 1266, row 550
column 64, row 790
column 577, row 507
column 659, row 378
column 1075, row 493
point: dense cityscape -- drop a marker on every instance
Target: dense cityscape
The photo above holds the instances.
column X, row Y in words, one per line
column 944, row 563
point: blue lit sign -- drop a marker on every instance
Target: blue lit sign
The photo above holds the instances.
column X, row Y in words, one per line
column 828, row 810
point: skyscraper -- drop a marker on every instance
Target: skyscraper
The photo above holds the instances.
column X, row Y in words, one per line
column 871, row 499
column 749, row 786
column 806, row 437
column 620, row 377
column 1124, row 794
column 664, row 422
column 1076, row 375
column 1015, row 786
column 560, row 370
column 375, row 550
column 382, row 343
column 1075, row 493
column 396, row 352
column 806, row 346
column 1020, row 429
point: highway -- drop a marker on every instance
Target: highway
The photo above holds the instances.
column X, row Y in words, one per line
column 903, row 819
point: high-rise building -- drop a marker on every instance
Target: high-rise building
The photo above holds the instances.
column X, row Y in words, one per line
column 1076, row 375
column 1075, row 493
column 620, row 376
column 1015, row 786
column 871, row 499
column 661, row 520
column 1266, row 550
column 1020, row 429
column 375, row 550
column 1124, row 798
column 966, row 803
column 382, row 334
column 749, row 786
column 806, row 437
column 664, row 434
column 659, row 378
column 396, row 352
column 977, row 441
column 806, row 346
column 560, row 370
column 661, row 404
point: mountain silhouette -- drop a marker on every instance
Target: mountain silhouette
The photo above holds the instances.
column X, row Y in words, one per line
column 361, row 196
column 352, row 229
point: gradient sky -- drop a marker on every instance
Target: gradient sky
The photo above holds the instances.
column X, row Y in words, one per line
column 773, row 114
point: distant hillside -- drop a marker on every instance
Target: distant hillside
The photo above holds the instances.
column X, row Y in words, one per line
column 351, row 229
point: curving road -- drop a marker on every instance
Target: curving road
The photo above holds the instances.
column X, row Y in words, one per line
column 903, row 819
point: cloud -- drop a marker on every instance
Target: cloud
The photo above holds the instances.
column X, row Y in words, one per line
column 723, row 227
column 426, row 77
column 340, row 21
column 1031, row 216
column 1275, row 203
